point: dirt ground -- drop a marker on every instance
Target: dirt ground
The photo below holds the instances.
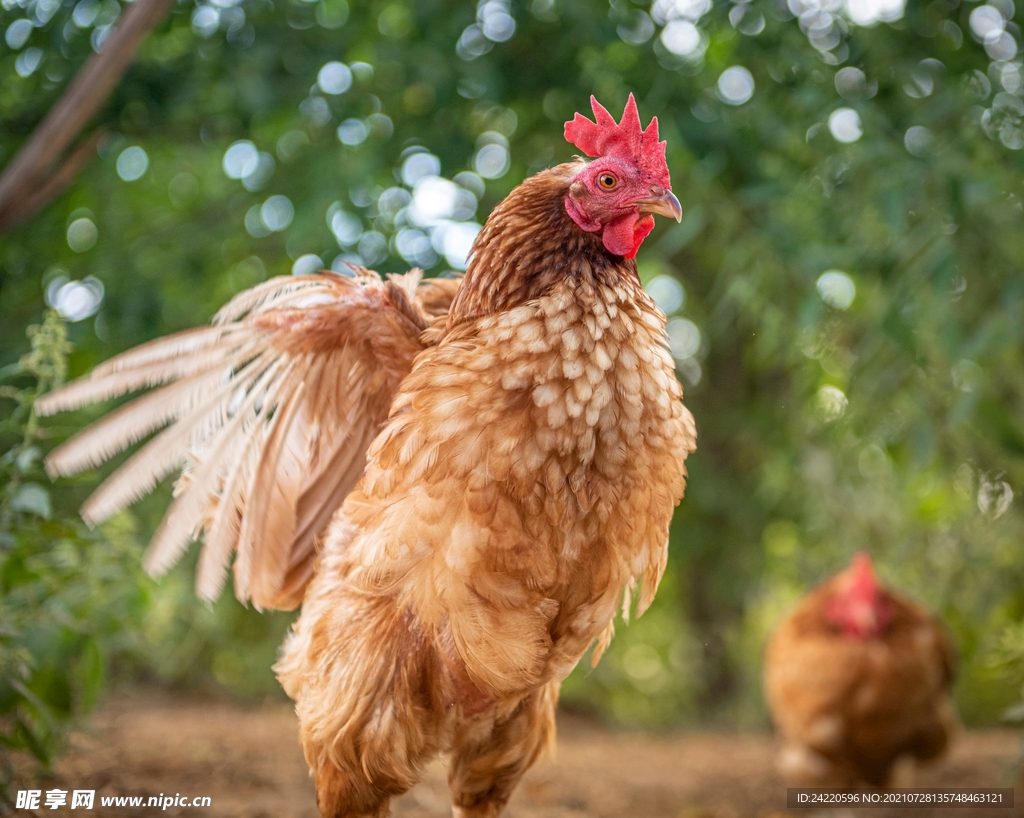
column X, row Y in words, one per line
column 249, row 762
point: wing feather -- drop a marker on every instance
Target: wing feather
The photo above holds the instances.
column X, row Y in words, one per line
column 269, row 411
column 285, row 290
column 130, row 376
column 128, row 425
column 226, row 526
column 198, row 488
column 262, row 558
column 135, row 420
column 167, row 451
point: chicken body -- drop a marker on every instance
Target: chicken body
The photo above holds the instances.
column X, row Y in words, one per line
column 460, row 481
column 524, row 481
column 848, row 706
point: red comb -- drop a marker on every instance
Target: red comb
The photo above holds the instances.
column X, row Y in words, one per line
column 624, row 140
column 863, row 571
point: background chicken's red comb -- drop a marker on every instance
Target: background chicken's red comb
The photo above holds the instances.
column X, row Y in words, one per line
column 862, row 571
column 625, row 139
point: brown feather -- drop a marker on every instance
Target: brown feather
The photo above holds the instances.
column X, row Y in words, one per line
column 224, row 530
column 269, row 525
column 129, row 424
column 100, row 386
column 167, row 451
column 182, row 522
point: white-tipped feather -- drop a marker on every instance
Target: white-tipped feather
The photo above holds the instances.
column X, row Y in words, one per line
column 129, row 424
column 275, row 293
column 224, row 527
column 97, row 387
column 168, row 450
column 258, row 296
column 174, row 349
column 182, row 520
column 408, row 281
column 223, row 532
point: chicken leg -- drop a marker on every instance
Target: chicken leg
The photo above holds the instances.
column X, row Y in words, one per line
column 489, row 758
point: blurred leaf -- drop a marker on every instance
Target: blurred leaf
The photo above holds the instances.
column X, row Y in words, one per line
column 33, row 499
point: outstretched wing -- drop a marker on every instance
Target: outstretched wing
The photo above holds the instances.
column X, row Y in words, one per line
column 269, row 412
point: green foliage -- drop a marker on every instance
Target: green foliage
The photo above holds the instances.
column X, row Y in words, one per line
column 880, row 407
column 74, row 604
column 188, row 645
column 67, row 597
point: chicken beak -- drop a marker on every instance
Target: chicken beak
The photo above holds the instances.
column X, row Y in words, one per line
column 663, row 203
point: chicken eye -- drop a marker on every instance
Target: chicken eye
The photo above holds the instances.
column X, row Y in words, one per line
column 607, row 181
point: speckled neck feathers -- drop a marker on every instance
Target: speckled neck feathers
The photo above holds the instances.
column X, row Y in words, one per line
column 528, row 244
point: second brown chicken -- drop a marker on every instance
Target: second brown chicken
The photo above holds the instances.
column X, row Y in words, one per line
column 857, row 678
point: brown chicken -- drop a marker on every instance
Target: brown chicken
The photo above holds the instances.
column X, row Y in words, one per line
column 460, row 480
column 856, row 678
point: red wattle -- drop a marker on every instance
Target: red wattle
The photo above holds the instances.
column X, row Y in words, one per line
column 624, row 236
column 641, row 230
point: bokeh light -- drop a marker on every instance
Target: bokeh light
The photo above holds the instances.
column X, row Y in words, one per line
column 492, row 159
column 17, row 33
column 918, row 140
column 871, row 12
column 353, row 132
column 82, row 235
column 832, row 402
column 307, row 265
column 241, row 159
column 667, row 292
column 736, row 85
column 132, row 163
column 75, row 300
column 28, row 61
column 851, row 83
column 683, row 338
column 836, row 289
column 277, row 213
column 844, row 125
column 418, row 165
column 684, row 39
column 334, row 78
column 346, row 228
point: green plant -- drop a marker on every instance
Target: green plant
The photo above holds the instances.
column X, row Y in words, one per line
column 68, row 596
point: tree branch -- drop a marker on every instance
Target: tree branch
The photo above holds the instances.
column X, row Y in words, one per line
column 36, row 199
column 25, row 178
